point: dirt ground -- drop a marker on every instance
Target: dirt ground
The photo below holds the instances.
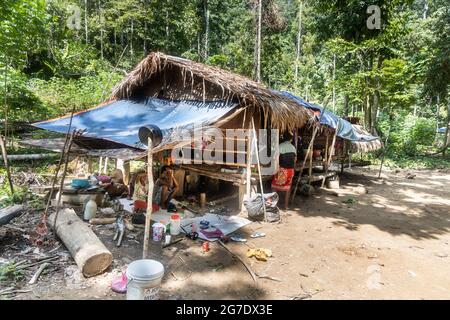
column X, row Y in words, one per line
column 391, row 243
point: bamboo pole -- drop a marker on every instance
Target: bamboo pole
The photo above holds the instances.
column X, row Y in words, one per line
column 249, row 163
column 61, row 185
column 148, row 214
column 259, row 169
column 330, row 156
column 55, row 178
column 304, row 161
column 5, row 160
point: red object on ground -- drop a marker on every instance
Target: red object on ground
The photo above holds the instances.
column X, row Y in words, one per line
column 205, row 246
column 142, row 205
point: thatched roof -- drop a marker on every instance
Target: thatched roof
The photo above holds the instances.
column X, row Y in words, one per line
column 365, row 146
column 283, row 113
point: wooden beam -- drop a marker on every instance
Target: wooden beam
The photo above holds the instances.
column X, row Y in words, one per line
column 255, row 139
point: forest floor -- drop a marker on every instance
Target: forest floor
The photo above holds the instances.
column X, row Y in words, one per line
column 390, row 243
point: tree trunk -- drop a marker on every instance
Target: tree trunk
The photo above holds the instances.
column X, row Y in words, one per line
column 257, row 57
column 346, row 105
column 299, row 41
column 447, row 130
column 334, row 86
column 131, row 38
column 90, row 254
column 86, row 21
column 206, row 47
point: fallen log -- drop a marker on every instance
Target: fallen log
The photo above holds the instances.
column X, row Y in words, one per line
column 20, row 157
column 9, row 213
column 90, row 254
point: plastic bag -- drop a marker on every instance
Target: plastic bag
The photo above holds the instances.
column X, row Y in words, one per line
column 255, row 210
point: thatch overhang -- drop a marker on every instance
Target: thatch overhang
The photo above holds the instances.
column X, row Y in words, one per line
column 209, row 83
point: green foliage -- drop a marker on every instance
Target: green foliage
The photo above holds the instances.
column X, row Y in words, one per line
column 384, row 76
column 20, row 196
column 10, row 272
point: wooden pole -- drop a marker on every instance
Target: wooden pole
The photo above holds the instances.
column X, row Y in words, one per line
column 5, row 160
column 259, row 169
column 100, row 161
column 61, row 185
column 384, row 152
column 249, row 163
column 105, row 168
column 148, row 214
column 61, row 159
column 90, row 165
column 330, row 156
column 316, row 128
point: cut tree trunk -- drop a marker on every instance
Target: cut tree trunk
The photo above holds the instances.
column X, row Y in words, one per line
column 9, row 213
column 90, row 254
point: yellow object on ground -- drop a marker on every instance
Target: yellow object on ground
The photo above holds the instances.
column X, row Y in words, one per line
column 260, row 254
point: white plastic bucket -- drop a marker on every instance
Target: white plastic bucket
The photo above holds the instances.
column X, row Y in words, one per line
column 144, row 279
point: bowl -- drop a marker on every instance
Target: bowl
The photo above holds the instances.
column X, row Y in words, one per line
column 80, row 183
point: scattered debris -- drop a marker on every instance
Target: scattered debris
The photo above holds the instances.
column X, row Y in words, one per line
column 242, row 261
column 258, row 235
column 260, row 254
column 268, row 277
column 410, row 175
column 238, row 239
column 35, row 277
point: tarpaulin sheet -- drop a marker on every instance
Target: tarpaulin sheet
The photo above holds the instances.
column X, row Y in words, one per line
column 345, row 129
column 120, row 120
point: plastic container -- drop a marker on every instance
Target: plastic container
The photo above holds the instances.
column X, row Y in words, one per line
column 175, row 223
column 90, row 210
column 158, row 230
column 144, row 279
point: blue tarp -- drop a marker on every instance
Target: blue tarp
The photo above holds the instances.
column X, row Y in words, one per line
column 120, row 121
column 442, row 130
column 345, row 129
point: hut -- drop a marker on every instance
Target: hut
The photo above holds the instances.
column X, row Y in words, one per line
column 175, row 94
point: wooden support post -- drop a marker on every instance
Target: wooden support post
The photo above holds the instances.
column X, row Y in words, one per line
column 259, row 169
column 100, row 161
column 115, row 164
column 90, row 165
column 148, row 215
column 330, row 156
column 308, row 153
column 105, row 168
column 324, row 161
column 5, row 160
column 310, row 167
column 249, row 163
column 242, row 193
column 126, row 172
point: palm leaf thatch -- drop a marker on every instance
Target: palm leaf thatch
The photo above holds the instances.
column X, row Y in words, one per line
column 282, row 112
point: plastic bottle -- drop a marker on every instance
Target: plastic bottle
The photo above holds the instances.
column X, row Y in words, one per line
column 90, row 210
column 175, row 223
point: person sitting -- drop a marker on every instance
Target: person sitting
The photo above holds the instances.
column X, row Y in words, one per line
column 282, row 180
column 140, row 191
column 165, row 187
